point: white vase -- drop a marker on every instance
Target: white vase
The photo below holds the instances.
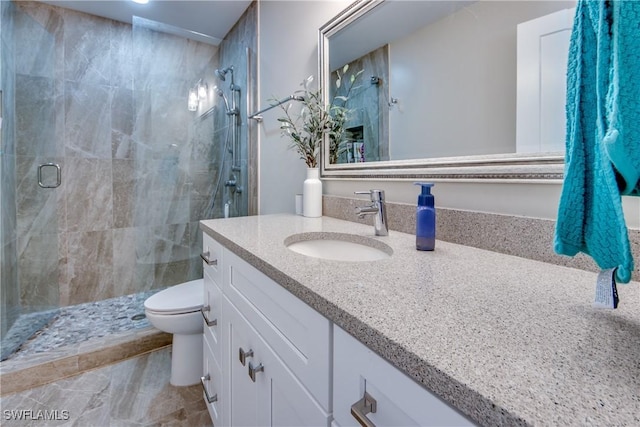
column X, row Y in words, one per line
column 312, row 194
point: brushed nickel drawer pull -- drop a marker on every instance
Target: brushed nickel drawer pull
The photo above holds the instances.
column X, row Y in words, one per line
column 253, row 371
column 213, row 322
column 210, row 399
column 242, row 355
column 364, row 406
column 206, row 258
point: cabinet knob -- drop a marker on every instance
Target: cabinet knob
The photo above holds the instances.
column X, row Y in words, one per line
column 206, row 258
column 242, row 355
column 213, row 322
column 364, row 406
column 210, row 399
column 253, row 371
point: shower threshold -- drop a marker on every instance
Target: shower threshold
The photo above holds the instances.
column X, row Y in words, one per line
column 79, row 338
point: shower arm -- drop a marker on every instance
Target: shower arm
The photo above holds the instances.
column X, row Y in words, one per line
column 257, row 116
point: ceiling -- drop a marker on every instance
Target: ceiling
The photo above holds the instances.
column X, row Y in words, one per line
column 204, row 20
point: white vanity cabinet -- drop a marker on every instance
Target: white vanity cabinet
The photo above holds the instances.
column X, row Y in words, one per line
column 272, row 360
column 267, row 354
column 360, row 377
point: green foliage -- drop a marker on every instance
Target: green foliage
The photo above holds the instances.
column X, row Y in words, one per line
column 307, row 129
column 340, row 113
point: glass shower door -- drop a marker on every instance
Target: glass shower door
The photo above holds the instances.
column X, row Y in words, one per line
column 32, row 174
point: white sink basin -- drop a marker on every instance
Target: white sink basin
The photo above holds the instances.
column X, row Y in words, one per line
column 338, row 247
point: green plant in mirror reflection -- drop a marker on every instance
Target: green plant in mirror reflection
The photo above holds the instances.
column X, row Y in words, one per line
column 340, row 113
column 307, row 127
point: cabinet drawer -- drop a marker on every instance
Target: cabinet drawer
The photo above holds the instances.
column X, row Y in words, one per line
column 399, row 399
column 212, row 383
column 299, row 335
column 212, row 251
column 212, row 311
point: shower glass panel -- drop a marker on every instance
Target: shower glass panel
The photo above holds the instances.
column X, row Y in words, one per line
column 31, row 138
column 179, row 161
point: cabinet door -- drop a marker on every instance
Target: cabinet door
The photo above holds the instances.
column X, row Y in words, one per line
column 542, row 51
column 399, row 399
column 241, row 409
column 299, row 335
column 272, row 396
column 286, row 401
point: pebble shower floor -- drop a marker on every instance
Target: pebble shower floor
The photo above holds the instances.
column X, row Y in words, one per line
column 83, row 322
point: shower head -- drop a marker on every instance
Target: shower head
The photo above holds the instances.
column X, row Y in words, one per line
column 221, row 73
column 229, row 110
column 221, row 94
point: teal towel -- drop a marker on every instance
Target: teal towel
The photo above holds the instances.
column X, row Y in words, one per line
column 603, row 122
column 622, row 138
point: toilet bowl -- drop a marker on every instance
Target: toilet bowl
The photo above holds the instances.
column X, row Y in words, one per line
column 176, row 310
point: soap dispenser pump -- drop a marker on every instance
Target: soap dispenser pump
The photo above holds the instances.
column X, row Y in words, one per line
column 425, row 219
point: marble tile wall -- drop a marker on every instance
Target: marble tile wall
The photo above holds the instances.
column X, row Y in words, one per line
column 238, row 50
column 246, row 34
column 107, row 101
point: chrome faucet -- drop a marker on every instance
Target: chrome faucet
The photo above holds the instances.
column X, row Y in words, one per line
column 378, row 207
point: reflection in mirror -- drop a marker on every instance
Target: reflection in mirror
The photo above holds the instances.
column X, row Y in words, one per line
column 445, row 79
column 365, row 102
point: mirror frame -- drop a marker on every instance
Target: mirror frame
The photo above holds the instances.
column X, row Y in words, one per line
column 510, row 167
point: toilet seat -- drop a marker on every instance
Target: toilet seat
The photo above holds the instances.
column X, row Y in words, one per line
column 184, row 298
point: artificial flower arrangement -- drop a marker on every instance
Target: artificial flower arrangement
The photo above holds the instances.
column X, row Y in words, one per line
column 307, row 129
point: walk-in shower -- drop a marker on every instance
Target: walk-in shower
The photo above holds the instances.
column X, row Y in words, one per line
column 107, row 102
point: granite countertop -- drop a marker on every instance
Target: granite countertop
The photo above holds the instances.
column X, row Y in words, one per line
column 506, row 340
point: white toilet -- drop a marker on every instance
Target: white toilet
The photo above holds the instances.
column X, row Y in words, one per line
column 176, row 310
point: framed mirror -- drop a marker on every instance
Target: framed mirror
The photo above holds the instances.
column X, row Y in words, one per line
column 447, row 89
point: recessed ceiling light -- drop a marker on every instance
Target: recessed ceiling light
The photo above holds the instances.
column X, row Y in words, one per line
column 140, row 1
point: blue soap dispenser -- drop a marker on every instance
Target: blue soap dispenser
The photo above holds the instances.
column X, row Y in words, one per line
column 425, row 219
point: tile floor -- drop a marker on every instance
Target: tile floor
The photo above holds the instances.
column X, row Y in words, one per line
column 134, row 392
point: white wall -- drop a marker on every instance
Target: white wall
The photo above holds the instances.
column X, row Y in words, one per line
column 288, row 53
column 456, row 78
column 288, row 37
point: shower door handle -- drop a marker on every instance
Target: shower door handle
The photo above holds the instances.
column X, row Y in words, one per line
column 58, row 175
